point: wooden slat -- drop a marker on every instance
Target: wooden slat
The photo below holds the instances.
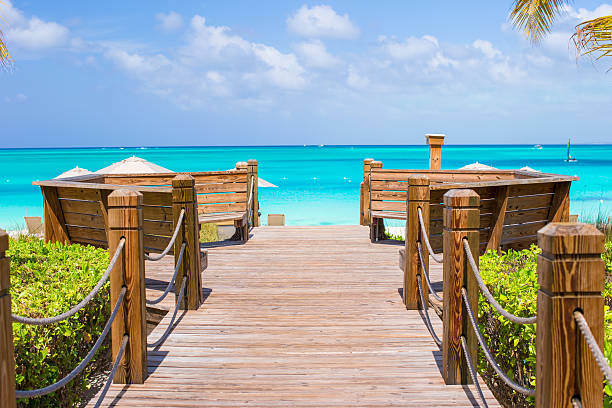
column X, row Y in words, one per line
column 531, row 189
column 157, row 213
column 153, row 198
column 389, row 195
column 85, row 220
column 222, row 198
column 388, row 206
column 156, row 242
column 220, row 188
column 83, row 233
column 523, row 203
column 218, row 208
column 158, row 227
column 394, row 215
column 211, row 218
column 76, row 193
column 81, row 207
column 522, row 230
column 231, row 177
column 389, row 185
column 140, row 179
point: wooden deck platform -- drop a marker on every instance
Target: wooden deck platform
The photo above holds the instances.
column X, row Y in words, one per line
column 300, row 317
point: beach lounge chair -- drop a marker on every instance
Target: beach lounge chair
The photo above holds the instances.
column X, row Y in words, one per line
column 35, row 225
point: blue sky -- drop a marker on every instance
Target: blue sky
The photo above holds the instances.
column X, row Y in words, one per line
column 119, row 73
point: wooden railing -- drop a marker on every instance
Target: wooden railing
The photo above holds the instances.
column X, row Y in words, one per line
column 514, row 203
column 126, row 244
column 76, row 210
column 571, row 277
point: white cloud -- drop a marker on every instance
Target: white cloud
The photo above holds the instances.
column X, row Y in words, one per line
column 355, row 79
column 33, row 34
column 135, row 63
column 170, row 22
column 19, row 98
column 314, row 54
column 207, row 42
column 486, row 48
column 285, row 71
column 410, row 48
column 583, row 14
column 321, row 21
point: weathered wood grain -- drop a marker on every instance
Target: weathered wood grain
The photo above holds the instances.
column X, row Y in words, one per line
column 7, row 351
column 418, row 198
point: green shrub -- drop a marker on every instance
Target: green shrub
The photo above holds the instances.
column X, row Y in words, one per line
column 512, row 279
column 208, row 233
column 46, row 280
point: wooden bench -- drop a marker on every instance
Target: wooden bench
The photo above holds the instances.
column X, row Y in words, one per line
column 514, row 203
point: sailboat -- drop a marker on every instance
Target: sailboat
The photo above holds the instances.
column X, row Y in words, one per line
column 569, row 159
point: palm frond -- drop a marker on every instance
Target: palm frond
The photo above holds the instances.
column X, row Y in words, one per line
column 594, row 37
column 5, row 57
column 535, row 17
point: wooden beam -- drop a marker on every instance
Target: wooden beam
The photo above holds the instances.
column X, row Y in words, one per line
column 125, row 221
column 559, row 208
column 253, row 173
column 365, row 200
column 571, row 276
column 497, row 221
column 461, row 220
column 7, row 351
column 55, row 226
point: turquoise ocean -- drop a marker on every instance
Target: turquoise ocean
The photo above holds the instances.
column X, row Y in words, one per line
column 317, row 185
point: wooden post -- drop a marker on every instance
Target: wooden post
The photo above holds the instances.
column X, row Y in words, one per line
column 559, row 209
column 461, row 220
column 365, row 197
column 571, row 277
column 435, row 143
column 252, row 174
column 125, row 219
column 377, row 226
column 418, row 197
column 184, row 198
column 7, row 352
column 498, row 216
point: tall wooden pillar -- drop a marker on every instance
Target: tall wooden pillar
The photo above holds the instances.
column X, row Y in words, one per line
column 184, row 198
column 435, row 143
column 7, row 352
column 461, row 220
column 125, row 221
column 377, row 226
column 571, row 277
column 418, row 197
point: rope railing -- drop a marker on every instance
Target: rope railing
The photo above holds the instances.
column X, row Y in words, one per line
column 172, row 280
column 250, row 208
column 485, row 291
column 599, row 357
column 426, row 273
column 74, row 310
column 426, row 313
column 171, row 324
column 172, row 240
column 78, row 369
column 472, row 371
column 483, row 345
column 113, row 372
column 426, row 238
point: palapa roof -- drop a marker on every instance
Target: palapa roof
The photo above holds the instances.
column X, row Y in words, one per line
column 133, row 165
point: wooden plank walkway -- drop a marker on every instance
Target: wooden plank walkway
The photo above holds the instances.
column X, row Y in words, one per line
column 301, row 317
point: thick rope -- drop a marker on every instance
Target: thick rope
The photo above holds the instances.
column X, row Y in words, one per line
column 427, row 319
column 171, row 243
column 171, row 324
column 426, row 238
column 426, row 273
column 172, row 280
column 517, row 387
column 74, row 310
column 487, row 294
column 470, row 364
column 592, row 343
column 111, row 376
column 59, row 384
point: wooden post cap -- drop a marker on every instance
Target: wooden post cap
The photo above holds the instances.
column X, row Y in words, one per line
column 125, row 198
column 461, row 198
column 241, row 165
column 435, row 139
column 571, row 258
column 418, row 180
column 183, row 180
column 367, row 161
column 252, row 162
column 376, row 163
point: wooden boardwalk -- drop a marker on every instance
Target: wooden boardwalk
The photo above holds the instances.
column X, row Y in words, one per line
column 301, row 317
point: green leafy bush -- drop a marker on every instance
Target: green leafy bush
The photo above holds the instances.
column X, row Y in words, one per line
column 512, row 279
column 46, row 280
